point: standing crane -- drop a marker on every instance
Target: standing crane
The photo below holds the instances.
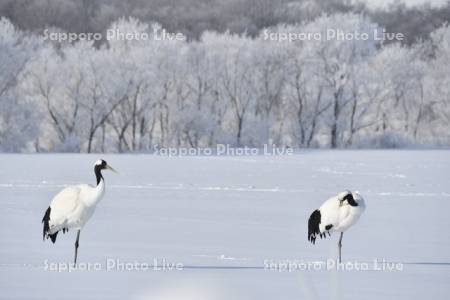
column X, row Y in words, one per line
column 73, row 206
column 338, row 214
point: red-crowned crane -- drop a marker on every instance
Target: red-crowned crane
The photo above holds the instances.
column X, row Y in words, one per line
column 338, row 214
column 73, row 206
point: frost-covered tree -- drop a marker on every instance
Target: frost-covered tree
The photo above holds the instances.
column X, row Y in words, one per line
column 439, row 83
column 132, row 95
column 235, row 73
column 337, row 55
column 18, row 117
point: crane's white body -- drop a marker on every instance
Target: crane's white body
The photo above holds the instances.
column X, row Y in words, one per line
column 338, row 214
column 341, row 215
column 74, row 206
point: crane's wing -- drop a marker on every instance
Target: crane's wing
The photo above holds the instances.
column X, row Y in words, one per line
column 61, row 207
column 330, row 212
column 333, row 213
column 326, row 218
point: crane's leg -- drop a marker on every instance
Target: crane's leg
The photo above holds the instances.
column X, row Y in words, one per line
column 76, row 246
column 340, row 246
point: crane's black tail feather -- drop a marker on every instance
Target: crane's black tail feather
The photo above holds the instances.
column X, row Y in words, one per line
column 53, row 237
column 313, row 226
column 46, row 220
column 46, row 229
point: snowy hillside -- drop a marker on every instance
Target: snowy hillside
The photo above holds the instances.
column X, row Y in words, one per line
column 222, row 218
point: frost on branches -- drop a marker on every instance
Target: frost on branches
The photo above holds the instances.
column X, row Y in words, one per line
column 123, row 95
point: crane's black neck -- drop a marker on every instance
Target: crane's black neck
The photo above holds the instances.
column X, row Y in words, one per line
column 351, row 201
column 98, row 173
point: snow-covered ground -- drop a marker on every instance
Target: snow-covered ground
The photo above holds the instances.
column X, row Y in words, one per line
column 222, row 218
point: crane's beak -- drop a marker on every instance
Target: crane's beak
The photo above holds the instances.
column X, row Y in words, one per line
column 112, row 169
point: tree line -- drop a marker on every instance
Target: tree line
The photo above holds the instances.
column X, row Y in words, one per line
column 227, row 88
column 193, row 17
